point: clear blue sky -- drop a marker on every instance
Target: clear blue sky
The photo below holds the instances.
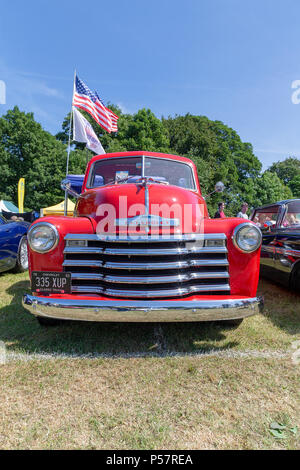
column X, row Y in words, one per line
column 231, row 60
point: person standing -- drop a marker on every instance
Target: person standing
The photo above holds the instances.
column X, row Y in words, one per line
column 243, row 211
column 220, row 212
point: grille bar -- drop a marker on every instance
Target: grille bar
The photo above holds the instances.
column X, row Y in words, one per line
column 144, row 252
column 179, row 292
column 115, row 238
column 148, row 266
column 150, row 279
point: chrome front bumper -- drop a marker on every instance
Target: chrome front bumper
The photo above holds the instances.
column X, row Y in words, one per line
column 142, row 311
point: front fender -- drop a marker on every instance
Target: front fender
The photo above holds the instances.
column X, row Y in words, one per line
column 53, row 260
column 243, row 267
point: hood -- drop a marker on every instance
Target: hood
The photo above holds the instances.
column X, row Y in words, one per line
column 113, row 205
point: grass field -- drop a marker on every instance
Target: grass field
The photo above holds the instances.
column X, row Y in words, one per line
column 147, row 386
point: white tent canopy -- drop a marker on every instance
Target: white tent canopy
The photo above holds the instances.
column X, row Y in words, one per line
column 8, row 206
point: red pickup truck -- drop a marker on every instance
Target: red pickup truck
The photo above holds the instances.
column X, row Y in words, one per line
column 141, row 247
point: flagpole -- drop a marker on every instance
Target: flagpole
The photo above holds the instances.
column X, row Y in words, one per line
column 69, row 147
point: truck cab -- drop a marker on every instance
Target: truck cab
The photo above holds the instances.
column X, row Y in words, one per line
column 141, row 247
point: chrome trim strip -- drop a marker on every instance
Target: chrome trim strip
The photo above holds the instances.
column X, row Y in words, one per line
column 287, row 251
column 145, row 252
column 164, row 251
column 145, row 238
column 83, row 250
column 87, row 276
column 87, row 263
column 148, row 294
column 142, row 311
column 150, row 279
column 167, row 265
column 268, row 249
column 146, row 266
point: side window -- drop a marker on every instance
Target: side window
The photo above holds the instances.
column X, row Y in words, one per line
column 266, row 219
column 292, row 215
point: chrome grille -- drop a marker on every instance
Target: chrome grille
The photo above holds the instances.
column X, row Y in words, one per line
column 177, row 266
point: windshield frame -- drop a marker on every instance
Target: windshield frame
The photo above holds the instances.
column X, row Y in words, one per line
column 143, row 157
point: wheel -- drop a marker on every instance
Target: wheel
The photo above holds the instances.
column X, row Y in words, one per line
column 22, row 258
column 48, row 321
column 295, row 282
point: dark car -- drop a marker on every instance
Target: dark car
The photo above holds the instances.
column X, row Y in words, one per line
column 280, row 252
column 13, row 245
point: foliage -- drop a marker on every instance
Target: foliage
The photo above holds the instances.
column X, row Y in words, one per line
column 288, row 171
column 26, row 150
column 269, row 188
column 294, row 185
column 219, row 154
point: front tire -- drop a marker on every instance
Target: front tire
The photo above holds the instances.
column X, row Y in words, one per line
column 22, row 258
column 295, row 283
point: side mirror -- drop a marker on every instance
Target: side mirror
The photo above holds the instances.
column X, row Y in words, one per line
column 66, row 186
column 219, row 187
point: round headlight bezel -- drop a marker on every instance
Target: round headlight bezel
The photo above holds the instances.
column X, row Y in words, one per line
column 37, row 226
column 237, row 231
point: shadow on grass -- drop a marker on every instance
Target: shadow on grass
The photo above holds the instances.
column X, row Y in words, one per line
column 21, row 332
column 282, row 306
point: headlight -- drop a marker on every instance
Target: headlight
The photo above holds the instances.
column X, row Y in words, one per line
column 247, row 237
column 43, row 237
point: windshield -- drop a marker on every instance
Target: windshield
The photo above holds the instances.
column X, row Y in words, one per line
column 266, row 218
column 292, row 215
column 128, row 169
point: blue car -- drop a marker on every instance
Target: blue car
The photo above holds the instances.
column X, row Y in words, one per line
column 13, row 245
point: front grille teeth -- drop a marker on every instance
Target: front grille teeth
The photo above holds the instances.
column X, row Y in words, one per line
column 148, row 269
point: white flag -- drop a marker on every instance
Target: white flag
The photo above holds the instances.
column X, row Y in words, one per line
column 84, row 132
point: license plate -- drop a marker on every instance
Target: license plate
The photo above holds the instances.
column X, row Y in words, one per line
column 51, row 282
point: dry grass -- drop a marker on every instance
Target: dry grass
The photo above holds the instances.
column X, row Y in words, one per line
column 191, row 403
column 184, row 402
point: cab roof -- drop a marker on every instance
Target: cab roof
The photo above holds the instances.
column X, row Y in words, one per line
column 140, row 153
column 278, row 203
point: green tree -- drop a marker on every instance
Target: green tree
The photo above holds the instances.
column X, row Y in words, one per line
column 287, row 169
column 294, row 185
column 269, row 188
column 26, row 150
column 219, row 154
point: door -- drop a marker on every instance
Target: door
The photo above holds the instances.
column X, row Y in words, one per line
column 9, row 242
column 287, row 243
column 266, row 219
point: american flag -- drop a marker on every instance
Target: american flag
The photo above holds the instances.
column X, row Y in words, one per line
column 85, row 99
